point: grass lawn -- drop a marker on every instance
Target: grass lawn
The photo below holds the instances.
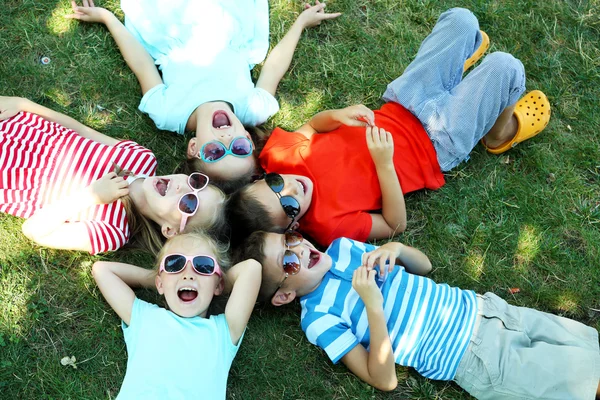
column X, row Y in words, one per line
column 529, row 219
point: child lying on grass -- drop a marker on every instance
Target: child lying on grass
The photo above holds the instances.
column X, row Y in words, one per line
column 371, row 308
column 334, row 182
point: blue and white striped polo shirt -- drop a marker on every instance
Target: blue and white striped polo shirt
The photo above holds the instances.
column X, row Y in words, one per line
column 429, row 324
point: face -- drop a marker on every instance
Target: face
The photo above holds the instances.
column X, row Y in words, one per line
column 188, row 293
column 297, row 186
column 216, row 121
column 163, row 194
column 313, row 266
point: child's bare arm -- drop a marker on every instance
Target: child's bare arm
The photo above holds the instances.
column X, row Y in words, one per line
column 136, row 57
column 393, row 210
column 328, row 120
column 11, row 106
column 413, row 260
column 377, row 366
column 47, row 226
column 245, row 278
column 115, row 281
column 278, row 61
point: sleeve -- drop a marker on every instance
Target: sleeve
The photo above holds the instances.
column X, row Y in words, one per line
column 223, row 331
column 282, row 149
column 105, row 236
column 139, row 312
column 166, row 116
column 356, row 226
column 260, row 106
column 136, row 158
column 330, row 333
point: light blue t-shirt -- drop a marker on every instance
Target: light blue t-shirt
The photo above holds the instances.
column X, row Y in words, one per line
column 170, row 357
column 205, row 51
column 429, row 324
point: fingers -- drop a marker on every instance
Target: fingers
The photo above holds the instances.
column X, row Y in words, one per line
column 92, row 4
column 86, row 3
column 371, row 275
column 327, row 16
column 123, row 192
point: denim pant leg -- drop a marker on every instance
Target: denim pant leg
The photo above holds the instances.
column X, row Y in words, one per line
column 466, row 113
column 438, row 66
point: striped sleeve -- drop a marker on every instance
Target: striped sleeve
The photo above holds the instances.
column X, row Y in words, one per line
column 330, row 333
column 104, row 236
column 136, row 158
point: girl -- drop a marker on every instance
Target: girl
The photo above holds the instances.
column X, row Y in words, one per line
column 205, row 51
column 344, row 185
column 60, row 175
column 181, row 352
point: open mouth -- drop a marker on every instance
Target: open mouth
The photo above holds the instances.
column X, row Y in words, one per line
column 187, row 294
column 314, row 258
column 162, row 185
column 221, row 120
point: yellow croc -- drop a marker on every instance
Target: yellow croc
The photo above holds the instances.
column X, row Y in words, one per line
column 533, row 114
column 485, row 44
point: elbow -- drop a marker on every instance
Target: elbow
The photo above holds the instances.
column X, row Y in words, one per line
column 427, row 267
column 97, row 269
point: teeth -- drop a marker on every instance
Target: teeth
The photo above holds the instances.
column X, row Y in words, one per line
column 189, row 289
column 314, row 256
column 223, row 126
column 168, row 183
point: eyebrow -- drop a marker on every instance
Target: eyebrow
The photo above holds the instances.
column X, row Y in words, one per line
column 280, row 253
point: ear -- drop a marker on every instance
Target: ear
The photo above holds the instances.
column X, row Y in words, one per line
column 283, row 297
column 192, row 149
column 219, row 287
column 295, row 226
column 168, row 231
column 159, row 285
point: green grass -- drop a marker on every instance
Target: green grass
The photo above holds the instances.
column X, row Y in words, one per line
column 528, row 219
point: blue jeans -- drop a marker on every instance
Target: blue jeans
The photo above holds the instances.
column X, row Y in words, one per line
column 457, row 112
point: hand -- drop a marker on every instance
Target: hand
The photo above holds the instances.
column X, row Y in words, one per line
column 11, row 106
column 107, row 189
column 88, row 12
column 313, row 15
column 363, row 281
column 381, row 145
column 357, row 115
column 389, row 252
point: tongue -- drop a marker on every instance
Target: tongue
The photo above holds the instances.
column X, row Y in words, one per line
column 161, row 185
column 312, row 261
column 220, row 119
column 187, row 295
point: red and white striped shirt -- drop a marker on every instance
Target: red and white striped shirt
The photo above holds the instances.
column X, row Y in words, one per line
column 42, row 162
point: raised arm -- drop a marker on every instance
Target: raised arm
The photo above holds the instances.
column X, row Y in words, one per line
column 11, row 106
column 328, row 120
column 115, row 281
column 244, row 279
column 47, row 226
column 413, row 260
column 376, row 366
column 278, row 61
column 393, row 210
column 136, row 57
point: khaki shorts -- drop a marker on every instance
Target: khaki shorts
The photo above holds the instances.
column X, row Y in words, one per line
column 521, row 353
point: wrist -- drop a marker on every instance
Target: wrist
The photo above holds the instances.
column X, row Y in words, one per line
column 385, row 166
column 108, row 18
column 374, row 307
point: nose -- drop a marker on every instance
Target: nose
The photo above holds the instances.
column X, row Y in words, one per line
column 290, row 188
column 188, row 273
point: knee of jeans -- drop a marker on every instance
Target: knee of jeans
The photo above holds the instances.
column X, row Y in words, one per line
column 461, row 19
column 505, row 62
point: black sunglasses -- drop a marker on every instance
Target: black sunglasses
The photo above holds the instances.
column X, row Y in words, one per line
column 290, row 205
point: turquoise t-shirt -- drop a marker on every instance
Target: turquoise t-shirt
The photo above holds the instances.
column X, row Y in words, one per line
column 205, row 51
column 170, row 357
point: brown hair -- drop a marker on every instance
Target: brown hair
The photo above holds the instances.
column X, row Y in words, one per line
column 254, row 247
column 195, row 164
column 246, row 215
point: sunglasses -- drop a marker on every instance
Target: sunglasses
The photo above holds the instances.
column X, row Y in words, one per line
column 202, row 265
column 188, row 203
column 290, row 205
column 291, row 262
column 213, row 151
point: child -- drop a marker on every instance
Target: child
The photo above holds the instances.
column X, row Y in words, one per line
column 60, row 175
column 336, row 186
column 180, row 352
column 371, row 322
column 205, row 51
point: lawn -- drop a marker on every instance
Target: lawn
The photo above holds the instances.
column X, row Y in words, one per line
column 528, row 219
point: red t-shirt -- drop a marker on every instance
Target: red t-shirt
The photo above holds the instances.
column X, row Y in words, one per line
column 346, row 187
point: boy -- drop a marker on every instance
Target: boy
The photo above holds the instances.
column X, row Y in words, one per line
column 433, row 118
column 370, row 322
